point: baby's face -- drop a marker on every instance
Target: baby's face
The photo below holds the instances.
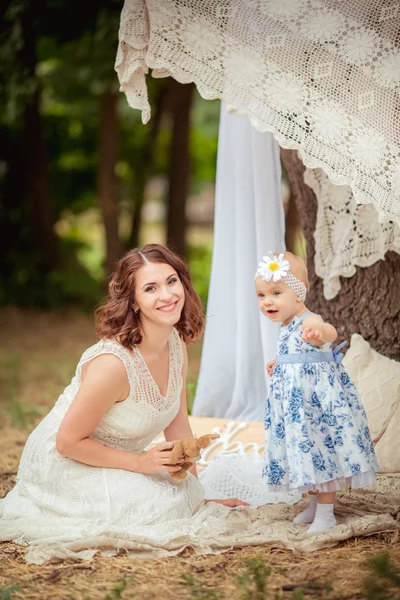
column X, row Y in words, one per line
column 276, row 300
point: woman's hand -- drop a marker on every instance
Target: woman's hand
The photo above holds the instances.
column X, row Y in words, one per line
column 270, row 367
column 157, row 460
column 230, row 502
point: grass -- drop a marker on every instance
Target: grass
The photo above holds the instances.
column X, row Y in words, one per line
column 119, row 589
column 7, row 593
column 20, row 414
column 9, row 372
column 383, row 582
column 253, row 582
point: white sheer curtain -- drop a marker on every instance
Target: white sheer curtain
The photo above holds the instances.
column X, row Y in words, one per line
column 249, row 221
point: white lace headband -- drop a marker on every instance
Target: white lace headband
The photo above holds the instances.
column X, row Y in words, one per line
column 276, row 268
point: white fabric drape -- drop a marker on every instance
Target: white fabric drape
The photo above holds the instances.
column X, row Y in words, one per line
column 347, row 235
column 249, row 222
column 322, row 75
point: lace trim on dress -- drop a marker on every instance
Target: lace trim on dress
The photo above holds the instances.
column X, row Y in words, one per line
column 147, row 388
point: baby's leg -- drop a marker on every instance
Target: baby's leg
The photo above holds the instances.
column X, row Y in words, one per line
column 307, row 515
column 324, row 517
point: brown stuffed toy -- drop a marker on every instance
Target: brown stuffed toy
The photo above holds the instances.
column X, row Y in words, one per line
column 189, row 448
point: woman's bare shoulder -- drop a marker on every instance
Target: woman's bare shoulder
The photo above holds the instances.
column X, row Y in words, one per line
column 106, row 366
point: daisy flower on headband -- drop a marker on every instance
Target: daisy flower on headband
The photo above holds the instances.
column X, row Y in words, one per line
column 273, row 267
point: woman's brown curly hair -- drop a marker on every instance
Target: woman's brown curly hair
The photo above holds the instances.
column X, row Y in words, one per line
column 116, row 319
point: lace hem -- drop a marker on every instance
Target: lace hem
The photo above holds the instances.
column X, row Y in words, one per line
column 362, row 480
column 347, row 235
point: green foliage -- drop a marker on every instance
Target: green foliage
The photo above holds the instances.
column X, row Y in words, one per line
column 197, row 589
column 17, row 84
column 383, row 582
column 118, row 589
column 199, row 259
column 7, row 592
column 70, row 284
column 190, row 394
column 204, row 141
column 253, row 582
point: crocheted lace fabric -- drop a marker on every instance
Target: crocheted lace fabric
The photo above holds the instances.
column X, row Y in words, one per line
column 347, row 234
column 322, row 75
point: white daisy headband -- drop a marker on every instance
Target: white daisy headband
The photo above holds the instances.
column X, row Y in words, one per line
column 275, row 268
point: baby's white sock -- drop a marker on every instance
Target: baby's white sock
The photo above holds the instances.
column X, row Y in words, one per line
column 324, row 518
column 307, row 515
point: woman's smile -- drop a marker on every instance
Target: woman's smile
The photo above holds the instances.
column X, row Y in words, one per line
column 168, row 308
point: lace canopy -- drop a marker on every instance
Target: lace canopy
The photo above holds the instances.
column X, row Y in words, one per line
column 322, row 75
column 347, row 234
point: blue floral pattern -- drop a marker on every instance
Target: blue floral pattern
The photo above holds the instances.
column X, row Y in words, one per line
column 316, row 428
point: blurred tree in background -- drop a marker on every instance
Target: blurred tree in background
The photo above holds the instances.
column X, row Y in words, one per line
column 77, row 166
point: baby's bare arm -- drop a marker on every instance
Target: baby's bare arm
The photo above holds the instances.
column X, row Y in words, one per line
column 317, row 332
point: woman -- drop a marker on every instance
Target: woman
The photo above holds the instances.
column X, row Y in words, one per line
column 85, row 481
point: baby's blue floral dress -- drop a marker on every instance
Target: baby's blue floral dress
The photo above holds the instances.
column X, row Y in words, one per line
column 316, row 429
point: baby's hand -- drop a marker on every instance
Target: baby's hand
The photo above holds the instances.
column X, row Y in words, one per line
column 270, row 367
column 313, row 335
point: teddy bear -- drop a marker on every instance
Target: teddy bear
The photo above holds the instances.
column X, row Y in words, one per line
column 189, row 448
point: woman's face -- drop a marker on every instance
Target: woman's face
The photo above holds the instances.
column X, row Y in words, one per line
column 159, row 294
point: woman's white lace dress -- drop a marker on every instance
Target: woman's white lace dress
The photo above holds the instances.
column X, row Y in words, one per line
column 61, row 508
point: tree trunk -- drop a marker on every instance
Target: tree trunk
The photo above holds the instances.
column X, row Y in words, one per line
column 139, row 188
column 34, row 159
column 293, row 227
column 179, row 166
column 107, row 179
column 13, row 232
column 368, row 303
column 145, row 164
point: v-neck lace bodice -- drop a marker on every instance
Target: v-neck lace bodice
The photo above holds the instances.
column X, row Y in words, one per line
column 141, row 358
column 135, row 422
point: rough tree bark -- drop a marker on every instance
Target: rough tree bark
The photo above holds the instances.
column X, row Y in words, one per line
column 107, row 179
column 293, row 227
column 179, row 166
column 369, row 302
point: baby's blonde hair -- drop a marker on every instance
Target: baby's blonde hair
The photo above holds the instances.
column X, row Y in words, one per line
column 297, row 267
